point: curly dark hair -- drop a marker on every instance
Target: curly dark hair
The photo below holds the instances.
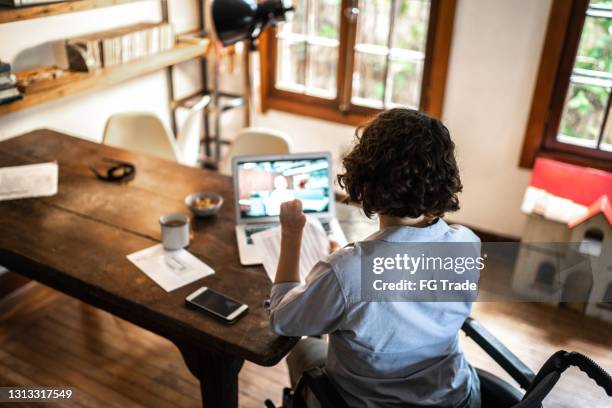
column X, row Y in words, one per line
column 403, row 165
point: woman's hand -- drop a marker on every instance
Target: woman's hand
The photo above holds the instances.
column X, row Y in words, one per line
column 292, row 219
column 333, row 246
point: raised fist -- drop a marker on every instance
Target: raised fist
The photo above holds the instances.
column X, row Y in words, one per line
column 292, row 218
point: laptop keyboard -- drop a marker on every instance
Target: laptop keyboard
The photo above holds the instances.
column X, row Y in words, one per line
column 326, row 226
column 254, row 229
column 248, row 231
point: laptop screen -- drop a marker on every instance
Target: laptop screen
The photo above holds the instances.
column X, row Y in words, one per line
column 264, row 184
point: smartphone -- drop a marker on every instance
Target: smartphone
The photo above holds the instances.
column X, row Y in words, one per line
column 218, row 305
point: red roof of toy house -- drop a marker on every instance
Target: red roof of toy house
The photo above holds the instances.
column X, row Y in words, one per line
column 582, row 185
column 600, row 206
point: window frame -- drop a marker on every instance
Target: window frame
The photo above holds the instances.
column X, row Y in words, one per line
column 437, row 53
column 564, row 30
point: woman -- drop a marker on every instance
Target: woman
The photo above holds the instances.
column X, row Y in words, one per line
column 382, row 354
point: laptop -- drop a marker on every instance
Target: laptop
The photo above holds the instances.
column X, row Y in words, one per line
column 262, row 183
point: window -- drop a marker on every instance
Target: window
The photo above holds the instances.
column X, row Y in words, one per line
column 546, row 274
column 606, row 302
column 607, row 298
column 307, row 49
column 570, row 117
column 592, row 242
column 345, row 60
column 577, row 289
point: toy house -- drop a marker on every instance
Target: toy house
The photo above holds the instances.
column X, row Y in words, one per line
column 569, row 213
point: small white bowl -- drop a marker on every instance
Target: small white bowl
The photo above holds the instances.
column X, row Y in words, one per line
column 204, row 212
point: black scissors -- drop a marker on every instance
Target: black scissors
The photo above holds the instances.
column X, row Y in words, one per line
column 119, row 171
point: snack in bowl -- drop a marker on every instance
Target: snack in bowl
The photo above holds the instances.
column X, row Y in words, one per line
column 204, row 204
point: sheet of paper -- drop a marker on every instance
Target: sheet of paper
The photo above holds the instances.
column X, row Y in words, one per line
column 315, row 246
column 30, row 180
column 170, row 269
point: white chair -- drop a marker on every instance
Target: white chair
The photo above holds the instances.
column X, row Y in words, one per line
column 255, row 141
column 189, row 134
column 146, row 133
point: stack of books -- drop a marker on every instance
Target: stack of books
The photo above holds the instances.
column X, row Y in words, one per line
column 8, row 84
column 119, row 46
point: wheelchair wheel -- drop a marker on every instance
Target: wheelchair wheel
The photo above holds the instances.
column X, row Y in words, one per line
column 497, row 393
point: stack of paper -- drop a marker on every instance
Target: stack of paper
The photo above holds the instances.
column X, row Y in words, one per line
column 315, row 247
column 170, row 269
column 30, row 180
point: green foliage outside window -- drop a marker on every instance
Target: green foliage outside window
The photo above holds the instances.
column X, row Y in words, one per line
column 589, row 90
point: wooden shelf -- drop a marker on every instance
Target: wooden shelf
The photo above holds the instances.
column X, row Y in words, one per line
column 109, row 76
column 8, row 14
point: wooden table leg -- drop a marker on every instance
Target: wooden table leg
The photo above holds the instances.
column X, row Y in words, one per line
column 218, row 375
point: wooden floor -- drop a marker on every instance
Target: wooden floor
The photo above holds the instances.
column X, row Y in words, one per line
column 50, row 339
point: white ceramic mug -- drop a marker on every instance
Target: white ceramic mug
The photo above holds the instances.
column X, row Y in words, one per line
column 174, row 231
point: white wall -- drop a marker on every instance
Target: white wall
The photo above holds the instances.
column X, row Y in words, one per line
column 494, row 60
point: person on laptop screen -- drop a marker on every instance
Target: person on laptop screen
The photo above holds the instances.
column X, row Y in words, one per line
column 279, row 195
column 263, row 183
column 382, row 354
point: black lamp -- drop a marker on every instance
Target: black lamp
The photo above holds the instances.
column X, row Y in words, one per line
column 234, row 21
column 237, row 20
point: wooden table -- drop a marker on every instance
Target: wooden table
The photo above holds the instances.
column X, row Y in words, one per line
column 77, row 242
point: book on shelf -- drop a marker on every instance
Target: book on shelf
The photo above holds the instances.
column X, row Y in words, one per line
column 118, row 46
column 25, row 3
column 8, row 84
column 9, row 95
column 5, row 68
column 7, row 80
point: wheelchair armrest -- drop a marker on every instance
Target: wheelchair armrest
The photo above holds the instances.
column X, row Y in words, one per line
column 317, row 381
column 500, row 353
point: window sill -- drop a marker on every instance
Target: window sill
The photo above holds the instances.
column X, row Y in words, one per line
column 315, row 111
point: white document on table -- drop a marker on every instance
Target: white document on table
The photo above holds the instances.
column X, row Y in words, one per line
column 170, row 269
column 30, row 180
column 315, row 247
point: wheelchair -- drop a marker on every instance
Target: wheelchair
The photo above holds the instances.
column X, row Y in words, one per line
column 495, row 392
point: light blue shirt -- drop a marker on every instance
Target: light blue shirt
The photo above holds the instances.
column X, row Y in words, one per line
column 392, row 354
